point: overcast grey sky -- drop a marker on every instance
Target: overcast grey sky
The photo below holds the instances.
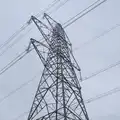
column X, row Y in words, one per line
column 91, row 57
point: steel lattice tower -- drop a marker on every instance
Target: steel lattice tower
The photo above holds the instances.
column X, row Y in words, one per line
column 58, row 96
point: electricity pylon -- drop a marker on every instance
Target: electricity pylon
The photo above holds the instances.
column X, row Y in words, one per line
column 58, row 95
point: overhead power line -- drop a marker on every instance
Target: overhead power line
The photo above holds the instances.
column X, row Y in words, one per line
column 23, row 28
column 14, row 61
column 26, row 25
column 101, row 71
column 105, row 94
column 66, row 24
column 21, row 115
column 85, row 78
column 24, row 53
column 58, row 7
column 83, row 12
column 48, row 8
column 80, row 14
column 17, row 89
column 15, row 42
column 13, row 36
column 99, row 36
column 23, row 84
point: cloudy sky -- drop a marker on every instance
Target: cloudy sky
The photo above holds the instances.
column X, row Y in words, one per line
column 95, row 55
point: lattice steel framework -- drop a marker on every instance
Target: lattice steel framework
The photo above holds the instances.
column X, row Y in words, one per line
column 58, row 96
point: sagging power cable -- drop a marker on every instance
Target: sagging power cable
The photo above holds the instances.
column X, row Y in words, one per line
column 14, row 61
column 14, row 42
column 23, row 28
column 101, row 70
column 85, row 78
column 99, row 36
column 105, row 94
column 66, row 24
column 13, row 36
column 83, row 12
column 18, row 88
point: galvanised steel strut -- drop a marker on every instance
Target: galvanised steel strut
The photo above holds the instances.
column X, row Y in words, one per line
column 58, row 96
